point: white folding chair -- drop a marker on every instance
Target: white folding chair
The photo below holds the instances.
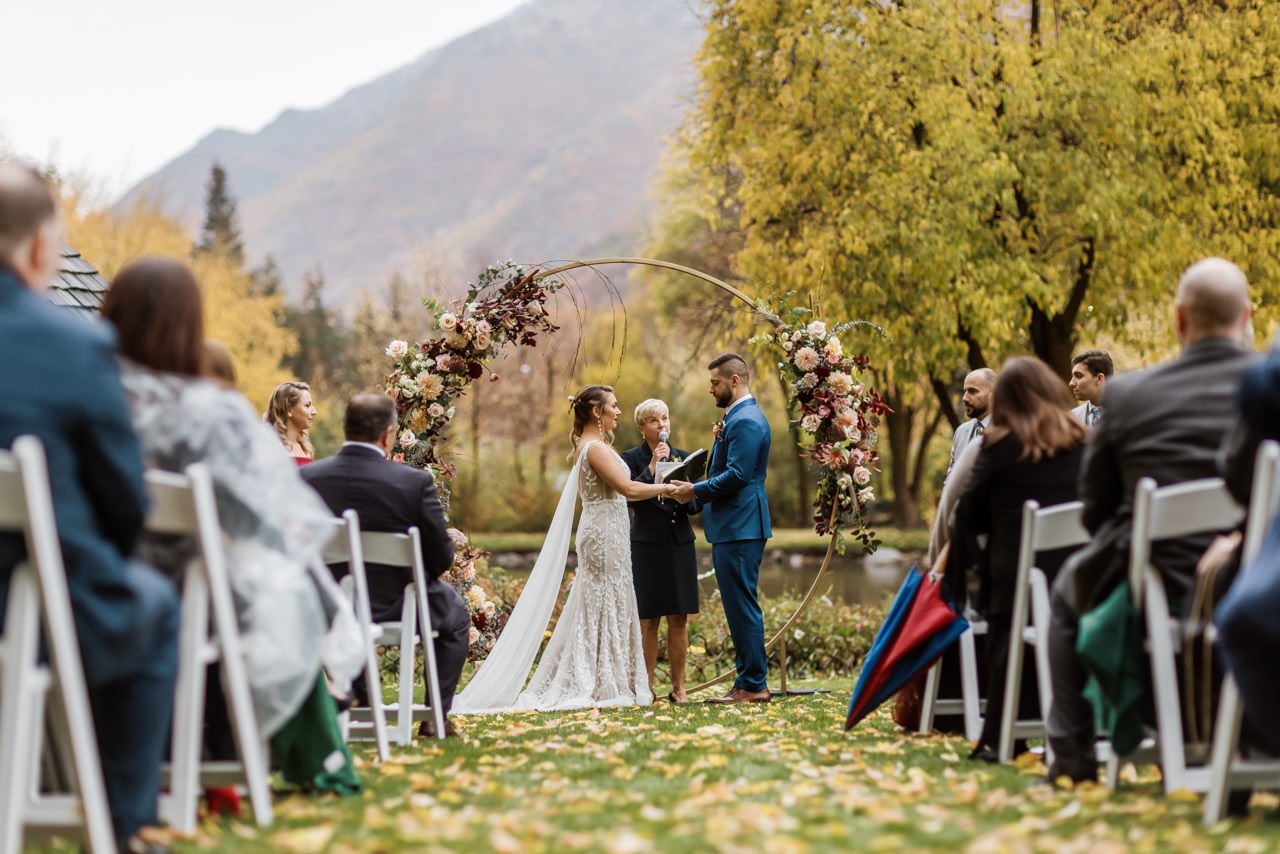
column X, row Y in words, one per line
column 38, row 595
column 1161, row 513
column 970, row 704
column 405, row 550
column 184, row 504
column 1043, row 529
column 345, row 548
column 1227, row 771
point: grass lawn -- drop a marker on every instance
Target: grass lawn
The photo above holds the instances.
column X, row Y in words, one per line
column 777, row 778
column 791, row 539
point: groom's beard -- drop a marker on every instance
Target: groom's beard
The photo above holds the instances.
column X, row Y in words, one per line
column 723, row 399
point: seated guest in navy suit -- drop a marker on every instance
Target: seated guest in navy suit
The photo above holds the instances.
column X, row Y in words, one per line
column 59, row 384
column 1246, row 619
column 393, row 497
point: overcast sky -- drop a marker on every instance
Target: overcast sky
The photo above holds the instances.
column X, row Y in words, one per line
column 118, row 87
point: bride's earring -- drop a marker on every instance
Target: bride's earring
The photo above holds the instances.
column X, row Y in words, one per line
column 599, row 426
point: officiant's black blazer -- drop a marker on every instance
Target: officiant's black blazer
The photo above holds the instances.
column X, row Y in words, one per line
column 654, row 521
column 388, row 497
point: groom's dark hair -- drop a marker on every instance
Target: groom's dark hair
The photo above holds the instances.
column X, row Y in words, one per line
column 729, row 364
column 368, row 415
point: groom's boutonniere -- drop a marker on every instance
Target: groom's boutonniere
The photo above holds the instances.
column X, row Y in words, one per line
column 717, row 428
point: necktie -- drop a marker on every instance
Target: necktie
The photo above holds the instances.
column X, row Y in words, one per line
column 1094, row 413
column 982, row 428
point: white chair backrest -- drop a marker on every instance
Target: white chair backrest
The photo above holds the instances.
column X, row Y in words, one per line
column 13, row 505
column 1059, row 527
column 391, row 549
column 1263, row 500
column 1180, row 510
column 339, row 547
column 173, row 503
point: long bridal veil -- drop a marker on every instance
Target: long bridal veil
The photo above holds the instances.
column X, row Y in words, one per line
column 498, row 681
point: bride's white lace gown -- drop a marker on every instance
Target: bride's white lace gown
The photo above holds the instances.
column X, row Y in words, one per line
column 595, row 656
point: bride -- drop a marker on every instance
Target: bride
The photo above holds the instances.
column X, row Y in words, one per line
column 595, row 657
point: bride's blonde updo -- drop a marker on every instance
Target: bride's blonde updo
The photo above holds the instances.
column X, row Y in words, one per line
column 583, row 405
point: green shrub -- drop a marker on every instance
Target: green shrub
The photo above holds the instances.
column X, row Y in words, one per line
column 829, row 640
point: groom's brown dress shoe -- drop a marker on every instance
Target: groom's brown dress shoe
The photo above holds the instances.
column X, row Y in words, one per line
column 741, row 695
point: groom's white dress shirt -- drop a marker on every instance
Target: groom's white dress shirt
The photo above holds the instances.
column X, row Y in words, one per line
column 734, row 405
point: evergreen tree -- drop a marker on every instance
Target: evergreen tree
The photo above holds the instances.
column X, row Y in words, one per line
column 221, row 232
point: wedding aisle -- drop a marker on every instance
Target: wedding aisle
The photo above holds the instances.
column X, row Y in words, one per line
column 778, row 778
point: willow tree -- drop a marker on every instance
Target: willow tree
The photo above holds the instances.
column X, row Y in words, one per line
column 980, row 178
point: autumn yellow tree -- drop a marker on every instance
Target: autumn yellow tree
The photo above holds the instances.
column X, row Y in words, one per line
column 984, row 177
column 234, row 313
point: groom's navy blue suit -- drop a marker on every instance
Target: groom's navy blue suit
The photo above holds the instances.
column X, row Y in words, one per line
column 735, row 518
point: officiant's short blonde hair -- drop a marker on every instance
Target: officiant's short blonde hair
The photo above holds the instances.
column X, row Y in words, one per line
column 646, row 409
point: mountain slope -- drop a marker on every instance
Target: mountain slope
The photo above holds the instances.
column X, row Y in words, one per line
column 536, row 137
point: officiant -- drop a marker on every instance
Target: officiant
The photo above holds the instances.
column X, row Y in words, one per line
column 664, row 564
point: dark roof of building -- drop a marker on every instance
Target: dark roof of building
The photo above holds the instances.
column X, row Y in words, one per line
column 78, row 285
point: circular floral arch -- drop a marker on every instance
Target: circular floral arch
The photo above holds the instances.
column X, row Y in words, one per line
column 837, row 414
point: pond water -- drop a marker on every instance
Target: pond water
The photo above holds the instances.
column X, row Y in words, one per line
column 852, row 579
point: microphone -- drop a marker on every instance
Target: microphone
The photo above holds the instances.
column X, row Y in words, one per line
column 663, row 436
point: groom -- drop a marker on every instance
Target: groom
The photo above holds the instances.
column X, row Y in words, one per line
column 736, row 520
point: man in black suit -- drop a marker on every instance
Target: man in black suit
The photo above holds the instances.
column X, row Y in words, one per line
column 59, row 383
column 1166, row 423
column 392, row 497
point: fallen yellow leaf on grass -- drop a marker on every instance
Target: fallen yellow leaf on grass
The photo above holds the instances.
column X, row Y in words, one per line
column 302, row 840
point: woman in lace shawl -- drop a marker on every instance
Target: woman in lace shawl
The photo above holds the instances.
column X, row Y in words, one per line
column 293, row 619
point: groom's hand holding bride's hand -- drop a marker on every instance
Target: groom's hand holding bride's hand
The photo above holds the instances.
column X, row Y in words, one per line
column 684, row 491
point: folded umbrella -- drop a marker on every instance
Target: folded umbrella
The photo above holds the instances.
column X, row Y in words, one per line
column 917, row 630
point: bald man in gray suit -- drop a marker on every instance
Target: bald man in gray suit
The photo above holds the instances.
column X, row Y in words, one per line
column 1166, row 423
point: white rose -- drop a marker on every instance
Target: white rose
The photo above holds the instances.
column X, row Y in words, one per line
column 474, row 635
column 407, row 439
column 449, row 413
column 408, row 385
column 853, row 434
column 435, row 410
column 866, row 496
column 448, row 320
column 810, row 423
column 862, row 475
column 398, row 349
column 482, row 340
column 489, row 609
column 817, row 329
column 534, row 307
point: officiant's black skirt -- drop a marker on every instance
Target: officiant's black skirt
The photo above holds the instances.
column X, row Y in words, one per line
column 666, row 578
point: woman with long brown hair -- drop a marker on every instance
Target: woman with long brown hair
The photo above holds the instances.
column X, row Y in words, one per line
column 294, row 621
column 291, row 412
column 1032, row 450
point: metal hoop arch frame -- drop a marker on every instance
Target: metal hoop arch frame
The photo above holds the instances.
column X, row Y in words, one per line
column 765, row 316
